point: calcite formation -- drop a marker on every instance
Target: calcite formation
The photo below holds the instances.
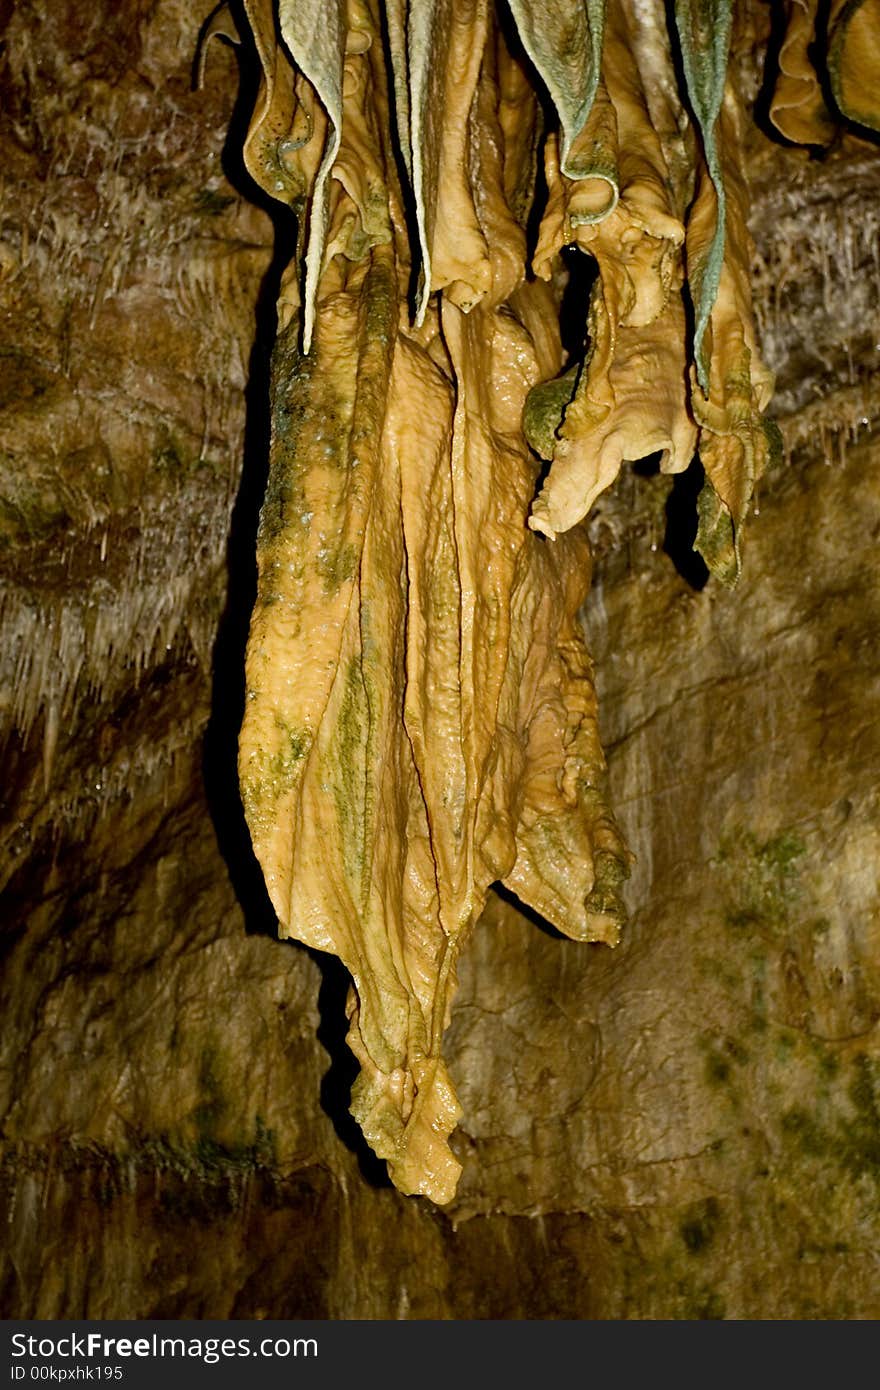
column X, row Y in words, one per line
column 684, row 1127
column 421, row 719
column 810, row 97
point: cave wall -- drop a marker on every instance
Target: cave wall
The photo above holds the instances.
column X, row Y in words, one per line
column 686, row 1127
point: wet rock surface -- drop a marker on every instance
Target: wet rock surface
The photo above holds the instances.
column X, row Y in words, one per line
column 686, row 1127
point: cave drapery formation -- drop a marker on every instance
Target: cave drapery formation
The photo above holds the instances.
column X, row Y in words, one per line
column 809, row 102
column 420, row 719
column 686, row 1126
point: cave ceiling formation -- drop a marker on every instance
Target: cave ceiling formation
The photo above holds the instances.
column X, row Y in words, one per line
column 420, row 719
column 686, row 1126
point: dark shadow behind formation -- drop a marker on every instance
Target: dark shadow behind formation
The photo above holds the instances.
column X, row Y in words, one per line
column 220, row 746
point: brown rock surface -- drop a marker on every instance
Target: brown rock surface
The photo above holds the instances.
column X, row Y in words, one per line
column 687, row 1127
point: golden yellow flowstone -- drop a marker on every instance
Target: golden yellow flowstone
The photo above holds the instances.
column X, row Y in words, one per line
column 421, row 717
column 829, row 67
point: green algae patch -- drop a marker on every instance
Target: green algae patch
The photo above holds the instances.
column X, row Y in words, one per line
column 761, row 879
column 847, row 1140
column 545, row 409
column 210, row 202
column 347, row 767
column 722, row 1056
column 275, row 770
column 716, row 540
column 338, row 565
column 676, row 1266
column 171, row 459
column 700, row 1226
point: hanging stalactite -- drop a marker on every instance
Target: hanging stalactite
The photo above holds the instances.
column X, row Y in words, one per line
column 421, row 718
column 829, row 70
